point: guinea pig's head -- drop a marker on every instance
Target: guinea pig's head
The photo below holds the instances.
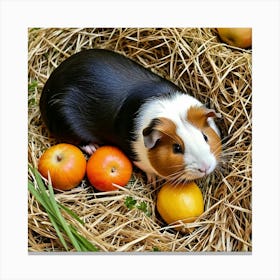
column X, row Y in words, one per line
column 185, row 148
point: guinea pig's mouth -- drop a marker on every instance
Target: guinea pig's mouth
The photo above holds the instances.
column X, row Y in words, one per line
column 188, row 173
column 185, row 176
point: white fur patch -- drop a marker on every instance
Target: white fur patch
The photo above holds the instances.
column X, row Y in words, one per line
column 172, row 108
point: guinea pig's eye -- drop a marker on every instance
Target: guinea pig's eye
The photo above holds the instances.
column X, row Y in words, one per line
column 205, row 137
column 177, row 149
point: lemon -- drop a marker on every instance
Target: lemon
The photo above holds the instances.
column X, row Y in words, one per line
column 180, row 202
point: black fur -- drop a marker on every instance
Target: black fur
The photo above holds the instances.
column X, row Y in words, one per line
column 94, row 97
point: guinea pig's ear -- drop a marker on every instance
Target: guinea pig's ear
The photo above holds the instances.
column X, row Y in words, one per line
column 210, row 113
column 151, row 134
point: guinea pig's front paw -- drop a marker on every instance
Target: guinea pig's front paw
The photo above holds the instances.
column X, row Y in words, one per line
column 90, row 148
column 151, row 179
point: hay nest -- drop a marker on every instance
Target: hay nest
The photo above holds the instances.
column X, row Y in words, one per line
column 200, row 64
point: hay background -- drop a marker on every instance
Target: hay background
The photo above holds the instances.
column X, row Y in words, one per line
column 199, row 63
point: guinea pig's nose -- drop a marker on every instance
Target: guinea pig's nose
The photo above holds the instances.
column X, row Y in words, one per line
column 204, row 168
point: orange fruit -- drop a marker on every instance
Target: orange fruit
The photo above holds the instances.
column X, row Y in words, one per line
column 180, row 202
column 66, row 165
column 108, row 165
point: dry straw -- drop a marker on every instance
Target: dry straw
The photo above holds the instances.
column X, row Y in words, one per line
column 199, row 63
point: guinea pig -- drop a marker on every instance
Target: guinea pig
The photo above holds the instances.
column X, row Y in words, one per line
column 99, row 97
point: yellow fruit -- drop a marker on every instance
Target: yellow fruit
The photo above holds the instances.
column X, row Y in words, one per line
column 181, row 202
column 237, row 37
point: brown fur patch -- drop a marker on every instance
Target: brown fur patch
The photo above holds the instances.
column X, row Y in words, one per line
column 214, row 141
column 162, row 157
column 197, row 116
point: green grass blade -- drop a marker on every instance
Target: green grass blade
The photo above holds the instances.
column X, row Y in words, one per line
column 45, row 196
column 32, row 189
column 49, row 212
column 88, row 246
column 59, row 234
column 61, row 219
column 71, row 213
column 41, row 188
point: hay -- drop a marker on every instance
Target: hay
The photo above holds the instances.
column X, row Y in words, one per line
column 197, row 62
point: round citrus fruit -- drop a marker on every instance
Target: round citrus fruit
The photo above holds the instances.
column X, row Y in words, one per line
column 66, row 165
column 181, row 202
column 107, row 166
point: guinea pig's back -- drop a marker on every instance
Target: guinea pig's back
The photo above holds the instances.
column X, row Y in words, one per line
column 92, row 90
